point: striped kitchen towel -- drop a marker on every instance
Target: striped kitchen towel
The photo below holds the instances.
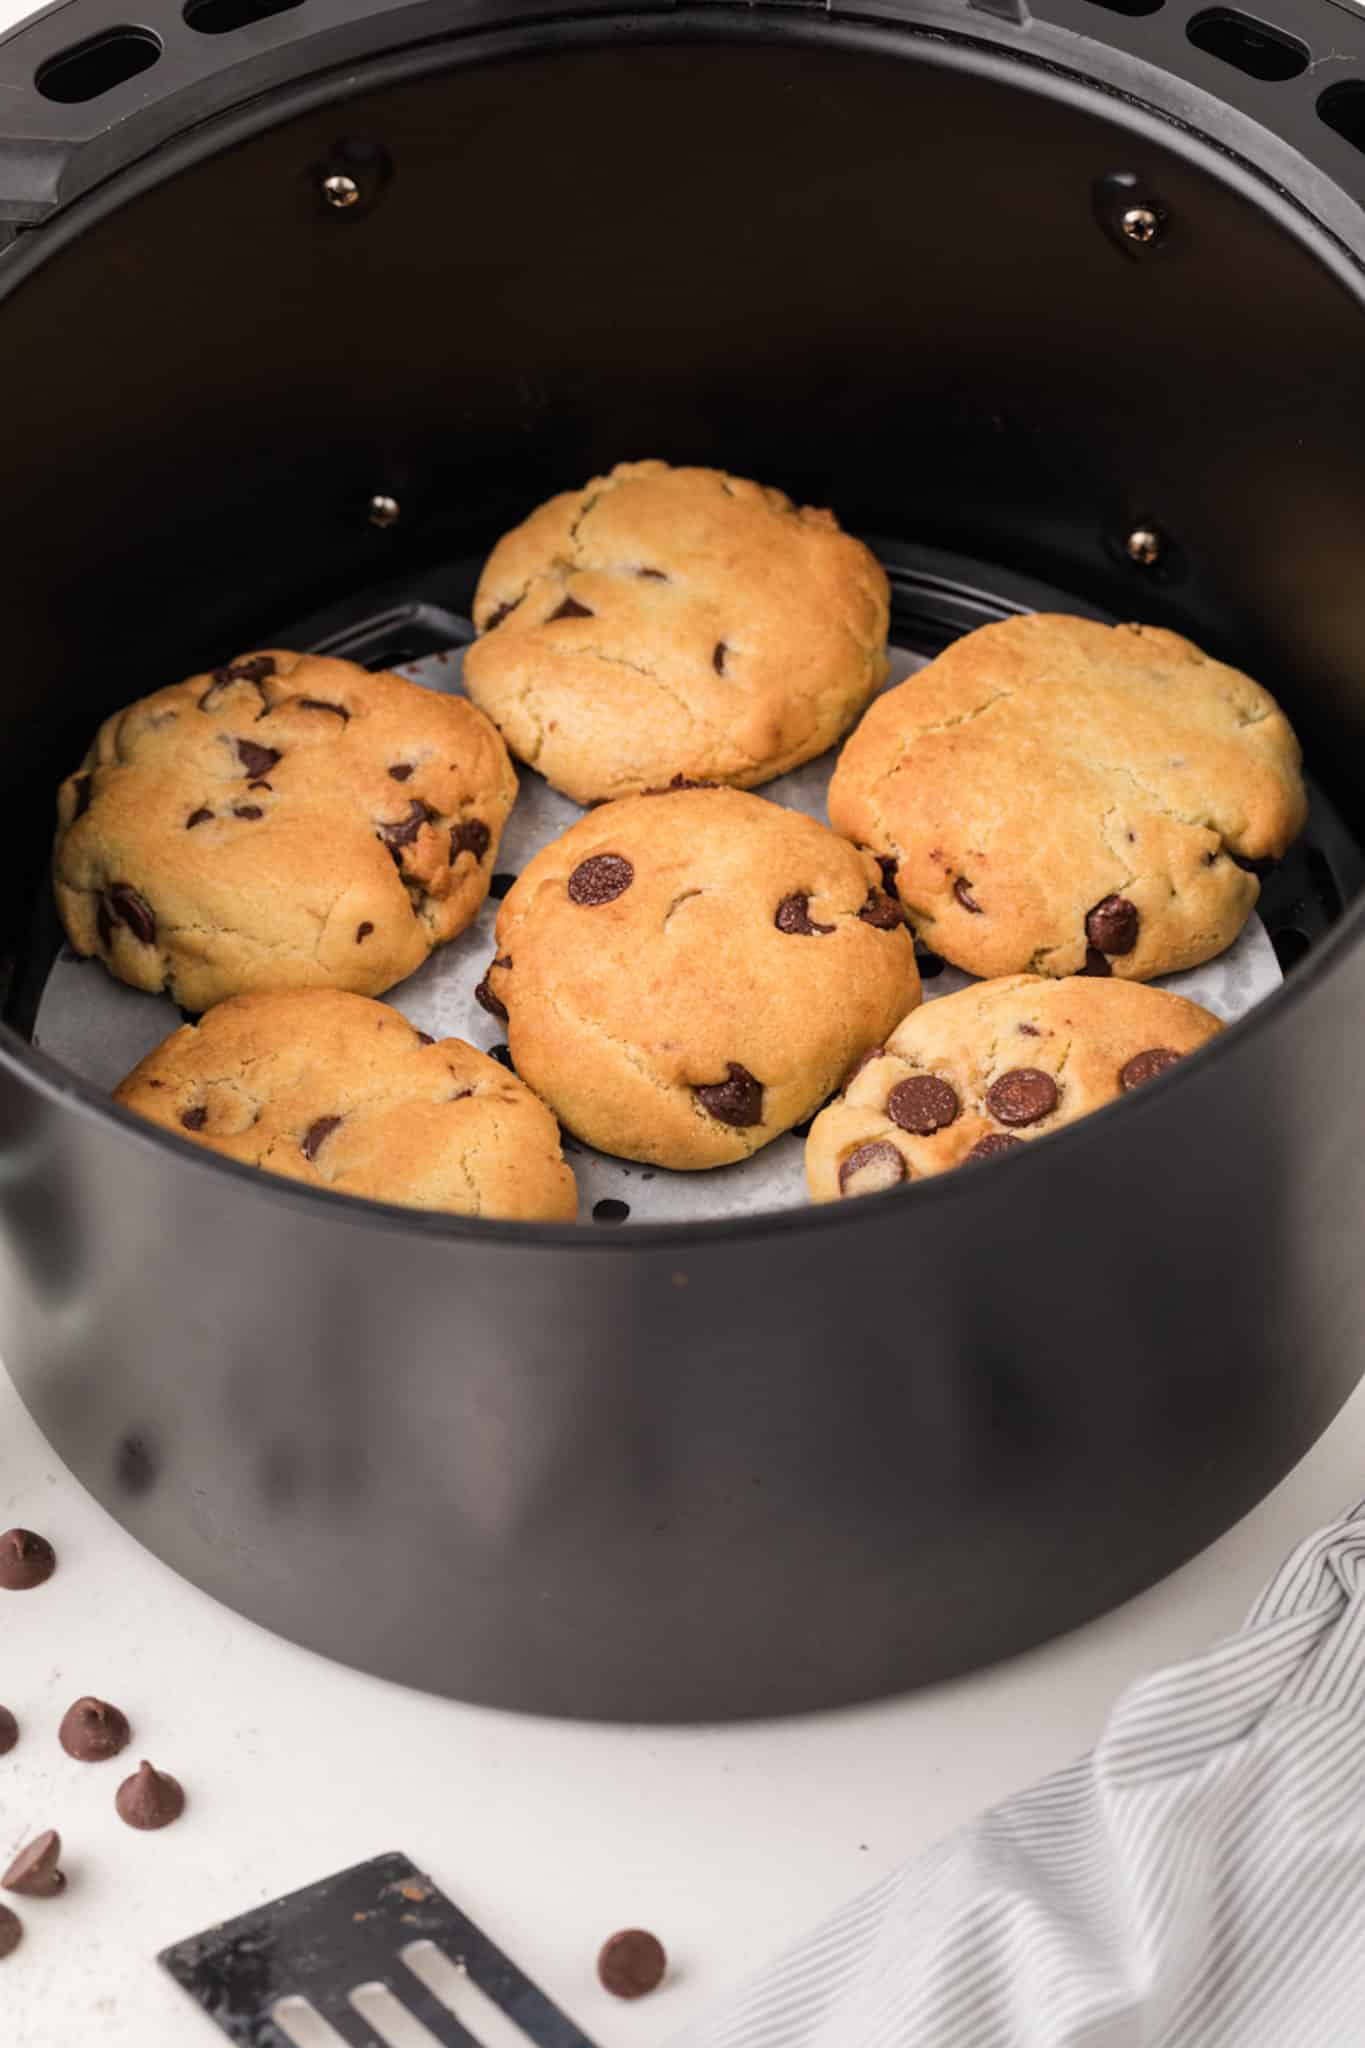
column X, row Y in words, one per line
column 1197, row 1881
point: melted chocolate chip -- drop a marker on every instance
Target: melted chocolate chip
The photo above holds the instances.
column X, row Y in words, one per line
column 9, row 1731
column 571, row 609
column 499, row 886
column 738, row 1100
column 503, row 611
column 600, row 879
column 247, row 811
column 472, row 836
column 255, row 759
column 609, row 1210
column 887, row 863
column 11, row 1932
column 962, row 891
column 659, row 575
column 132, row 910
column 404, row 830
column 882, row 911
column 34, row 1873
column 631, row 1963
column 484, row 996
column 195, row 1119
column 26, row 1561
column 84, row 784
column 872, row 1168
column 93, row 1731
column 793, row 915
column 199, row 817
column 149, row 1799
column 1112, row 926
column 1022, row 1096
column 503, row 1055
column 718, row 657
column 922, row 1104
column 362, row 931
column 401, row 770
column 992, row 1145
column 321, row 704
column 1145, row 1066
column 317, row 1134
column 1095, row 964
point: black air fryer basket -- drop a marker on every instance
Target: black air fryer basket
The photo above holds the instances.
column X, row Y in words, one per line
column 1058, row 305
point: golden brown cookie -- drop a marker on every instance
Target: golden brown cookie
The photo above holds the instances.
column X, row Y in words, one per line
column 1062, row 797
column 341, row 1092
column 686, row 975
column 675, row 621
column 283, row 822
column 977, row 1073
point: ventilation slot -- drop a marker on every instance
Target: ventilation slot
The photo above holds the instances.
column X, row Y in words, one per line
column 1343, row 107
column 1248, row 45
column 89, row 69
column 221, row 17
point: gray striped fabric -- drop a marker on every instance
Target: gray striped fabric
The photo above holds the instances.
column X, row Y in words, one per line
column 1198, row 1881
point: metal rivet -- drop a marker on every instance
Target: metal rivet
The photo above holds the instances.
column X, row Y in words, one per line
column 384, row 510
column 1145, row 546
column 339, row 190
column 1141, row 224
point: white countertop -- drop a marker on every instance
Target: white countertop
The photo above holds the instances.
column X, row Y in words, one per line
column 727, row 1842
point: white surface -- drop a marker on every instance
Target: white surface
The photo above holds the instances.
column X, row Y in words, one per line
column 726, row 1841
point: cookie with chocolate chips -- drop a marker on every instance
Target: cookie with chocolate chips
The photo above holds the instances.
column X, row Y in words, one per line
column 987, row 1070
column 666, row 622
column 283, row 822
column 1059, row 797
column 687, row 974
column 341, row 1092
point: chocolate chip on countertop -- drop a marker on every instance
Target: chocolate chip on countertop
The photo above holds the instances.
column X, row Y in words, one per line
column 34, row 1873
column 317, row 1134
column 256, row 760
column 922, row 1104
column 472, row 836
column 1112, row 926
column 11, row 1932
column 793, row 915
column 738, row 1100
column 992, row 1144
column 882, row 911
column 26, row 1560
column 132, row 910
column 149, row 1799
column 600, row 879
column 92, row 1730
column 962, row 891
column 871, row 1169
column 631, row 1963
column 9, row 1731
column 572, row 609
column 1024, row 1095
column 1145, row 1066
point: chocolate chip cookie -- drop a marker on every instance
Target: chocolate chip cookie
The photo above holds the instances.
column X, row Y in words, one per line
column 685, row 975
column 341, row 1092
column 675, row 621
column 996, row 1065
column 1054, row 796
column 283, row 822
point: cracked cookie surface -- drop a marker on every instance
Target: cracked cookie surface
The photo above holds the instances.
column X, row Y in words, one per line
column 1061, row 797
column 286, row 821
column 685, row 975
column 675, row 621
column 994, row 1066
column 341, row 1092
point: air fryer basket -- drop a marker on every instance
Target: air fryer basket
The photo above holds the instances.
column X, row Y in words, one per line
column 1070, row 299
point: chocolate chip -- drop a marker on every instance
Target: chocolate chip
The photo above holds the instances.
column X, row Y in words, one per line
column 631, row 1963
column 195, row 1119
column 1095, row 964
column 247, row 811
column 659, row 575
column 930, row 965
column 1030, row 1031
column 1022, row 1096
column 963, row 893
column 254, row 669
column 503, row 611
column 321, row 704
column 401, row 770
column 601, row 878
column 994, row 1143
column 737, row 1100
column 34, row 1873
column 718, row 657
column 871, row 1168
column 84, row 784
column 425, row 1038
column 362, row 931
column 1112, row 926
column 484, row 996
column 199, row 817
column 572, row 609
column 132, row 910
column 255, row 759
column 922, row 1104
column 317, row 1134
column 1145, row 1066
column 149, row 1799
column 472, row 836
column 503, row 1055
column 92, row 1731
column 499, row 886
column 405, row 830
column 609, row 1210
column 26, row 1561
column 793, row 915
column 9, row 1731
column 11, row 1932
column 882, row 911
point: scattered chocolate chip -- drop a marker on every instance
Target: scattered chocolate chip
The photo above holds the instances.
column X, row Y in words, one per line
column 405, row 830
column 572, row 609
column 485, row 998
column 600, row 879
column 247, row 811
column 362, row 931
column 718, row 657
column 401, row 770
column 199, row 817
column 503, row 1055
column 1022, row 1096
column 149, row 1799
column 9, row 1731
column 962, row 891
column 992, row 1144
column 922, row 1104
column 930, row 965
column 499, row 886
column 871, row 1168
column 882, row 911
column 631, row 1963
column 34, row 1873
column 658, row 575
column 92, row 1730
column 1096, row 964
column 737, row 1100
column 195, row 1119
column 317, row 1134
column 472, row 836
column 1145, row 1066
column 1112, row 926
column 609, row 1210
column 132, row 910
column 11, row 1932
column 793, row 915
column 255, row 759
column 84, row 785
column 503, row 611
column 425, row 1038
column 321, row 704
column 26, row 1561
